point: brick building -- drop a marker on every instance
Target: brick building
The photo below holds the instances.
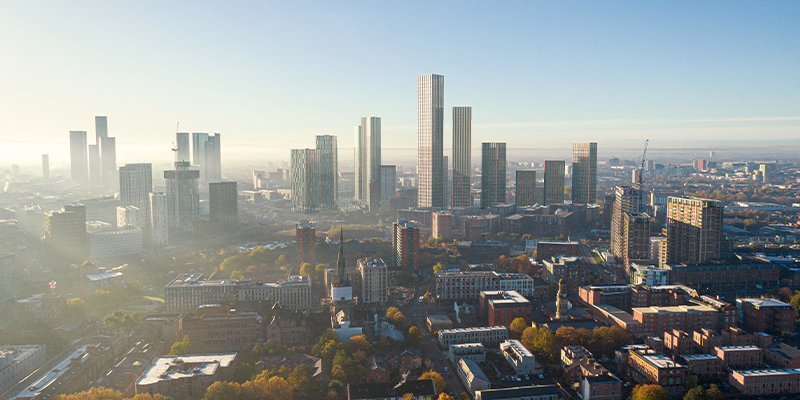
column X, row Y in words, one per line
column 646, row 366
column 740, row 357
column 405, row 245
column 781, row 355
column 501, row 307
column 678, row 342
column 306, row 242
column 703, row 365
column 765, row 381
column 545, row 250
column 218, row 329
column 725, row 277
column 706, row 340
column 767, row 315
column 687, row 317
column 618, row 296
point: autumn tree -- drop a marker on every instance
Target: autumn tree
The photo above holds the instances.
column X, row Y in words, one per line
column 181, row 347
column 648, row 392
column 236, row 275
column 438, row 381
column 439, row 267
column 517, row 327
column 414, row 337
column 101, row 393
column 281, row 261
column 307, row 269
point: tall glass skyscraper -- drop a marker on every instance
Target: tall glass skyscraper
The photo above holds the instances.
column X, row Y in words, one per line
column 584, row 172
column 493, row 174
column 462, row 156
column 329, row 171
column 135, row 186
column 183, row 197
column 526, row 188
column 430, row 125
column 78, row 160
column 553, row 182
column 367, row 156
column 182, row 142
column 305, row 170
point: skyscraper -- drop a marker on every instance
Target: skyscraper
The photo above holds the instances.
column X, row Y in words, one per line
column 526, row 188
column 183, row 144
column 78, row 162
column 446, row 181
column 306, row 242
column 694, row 230
column 553, row 182
column 374, row 281
column 329, row 170
column 159, row 219
column 135, row 186
column 183, row 198
column 627, row 199
column 95, row 166
column 45, row 166
column 388, row 182
column 462, row 156
column 213, row 167
column 368, row 155
column 405, row 243
column 199, row 140
column 584, row 172
column 100, row 128
column 223, row 204
column 635, row 238
column 493, row 174
column 430, row 140
column 305, row 170
column 66, row 231
column 108, row 160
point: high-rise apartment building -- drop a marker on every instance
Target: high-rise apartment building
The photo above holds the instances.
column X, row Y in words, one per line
column 462, row 156
column 108, row 161
column 199, row 140
column 305, row 170
column 374, row 281
column 306, row 242
column 388, row 182
column 95, row 166
column 584, row 172
column 100, row 128
column 367, row 156
column 526, row 188
column 405, row 245
column 636, row 238
column 45, row 166
column 206, row 150
column 446, row 181
column 329, row 170
column 135, row 186
column 493, row 174
column 159, row 219
column 553, row 182
column 442, row 224
column 694, row 230
column 183, row 198
column 627, row 199
column 430, row 125
column 223, row 204
column 78, row 160
column 183, row 146
column 66, row 231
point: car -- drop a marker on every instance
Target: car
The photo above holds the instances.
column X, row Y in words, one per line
column 541, row 376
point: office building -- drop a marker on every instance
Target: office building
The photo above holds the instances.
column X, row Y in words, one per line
column 405, row 245
column 462, row 156
column 78, row 159
column 468, row 285
column 206, row 155
column 471, row 351
column 487, row 335
column 373, row 196
column 329, row 170
column 66, row 230
column 374, row 281
column 636, row 238
column 293, row 294
column 553, row 182
column 493, row 174
column 187, row 292
column 17, row 362
column 108, row 161
column 216, row 329
column 130, row 216
column 159, row 219
column 441, row 224
column 95, row 165
column 689, row 318
column 584, row 172
column 45, row 166
column 223, row 204
column 471, row 376
column 106, row 242
column 388, row 182
column 526, row 188
column 306, row 242
column 430, row 121
column 446, row 181
column 185, row 377
column 183, row 198
column 694, row 230
column 367, row 156
column 100, row 128
column 726, row 277
column 627, row 199
column 182, row 147
column 519, row 357
column 305, row 167
column 135, row 186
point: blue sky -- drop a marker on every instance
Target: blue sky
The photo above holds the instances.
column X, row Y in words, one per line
column 276, row 74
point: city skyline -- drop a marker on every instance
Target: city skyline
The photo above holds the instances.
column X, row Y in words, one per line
column 599, row 79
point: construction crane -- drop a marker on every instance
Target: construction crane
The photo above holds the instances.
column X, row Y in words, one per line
column 641, row 167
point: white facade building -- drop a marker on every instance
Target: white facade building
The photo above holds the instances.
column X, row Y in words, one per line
column 17, row 362
column 519, row 357
column 471, row 351
column 484, row 334
column 159, row 219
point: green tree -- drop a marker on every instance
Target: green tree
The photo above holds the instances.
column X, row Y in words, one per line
column 281, row 261
column 307, row 269
column 713, row 393
column 648, row 392
column 517, row 326
column 319, row 271
column 795, row 302
column 438, row 381
column 181, row 347
column 236, row 275
column 695, row 393
column 414, row 337
column 76, row 308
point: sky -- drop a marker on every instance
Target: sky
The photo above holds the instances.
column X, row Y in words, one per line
column 269, row 76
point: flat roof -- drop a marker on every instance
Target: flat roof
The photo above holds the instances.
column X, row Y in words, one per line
column 517, row 346
column 438, row 318
column 103, row 275
column 784, row 350
column 700, row 357
column 177, row 367
column 657, row 359
column 738, row 348
column 767, row 372
column 475, row 329
column 505, row 298
column 674, row 309
column 522, row 391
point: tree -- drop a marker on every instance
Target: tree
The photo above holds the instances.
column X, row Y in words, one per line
column 320, row 271
column 445, row 396
column 517, row 326
column 713, row 393
column 648, row 392
column 236, row 275
column 414, row 337
column 695, row 393
column 281, row 261
column 437, row 379
column 307, row 269
column 76, row 308
column 795, row 302
column 391, row 312
column 439, row 267
column 181, row 347
column 101, row 393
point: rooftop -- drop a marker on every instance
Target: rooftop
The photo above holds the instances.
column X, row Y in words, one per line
column 178, row 367
column 765, row 303
column 700, row 357
column 438, row 319
column 474, row 329
column 103, row 275
column 357, row 391
column 674, row 309
column 656, row 359
column 768, row 372
column 784, row 350
column 518, row 392
column 500, row 298
column 738, row 348
column 471, row 367
column 517, row 346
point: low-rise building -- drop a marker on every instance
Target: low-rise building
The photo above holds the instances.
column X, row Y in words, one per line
column 287, row 327
column 706, row 340
column 649, row 275
column 293, row 294
column 740, row 356
column 647, row 366
column 470, row 351
column 387, row 390
column 101, row 279
column 678, row 342
column 538, row 392
column 618, row 296
column 186, row 377
column 218, row 329
column 471, row 376
column 703, row 365
column 766, row 315
column 765, row 381
column 17, row 362
column 545, row 250
column 438, row 322
column 563, row 267
column 467, row 285
column 485, row 334
column 501, row 308
column 734, row 336
column 292, row 361
column 519, row 357
column 600, row 387
column 686, row 317
column 781, row 355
